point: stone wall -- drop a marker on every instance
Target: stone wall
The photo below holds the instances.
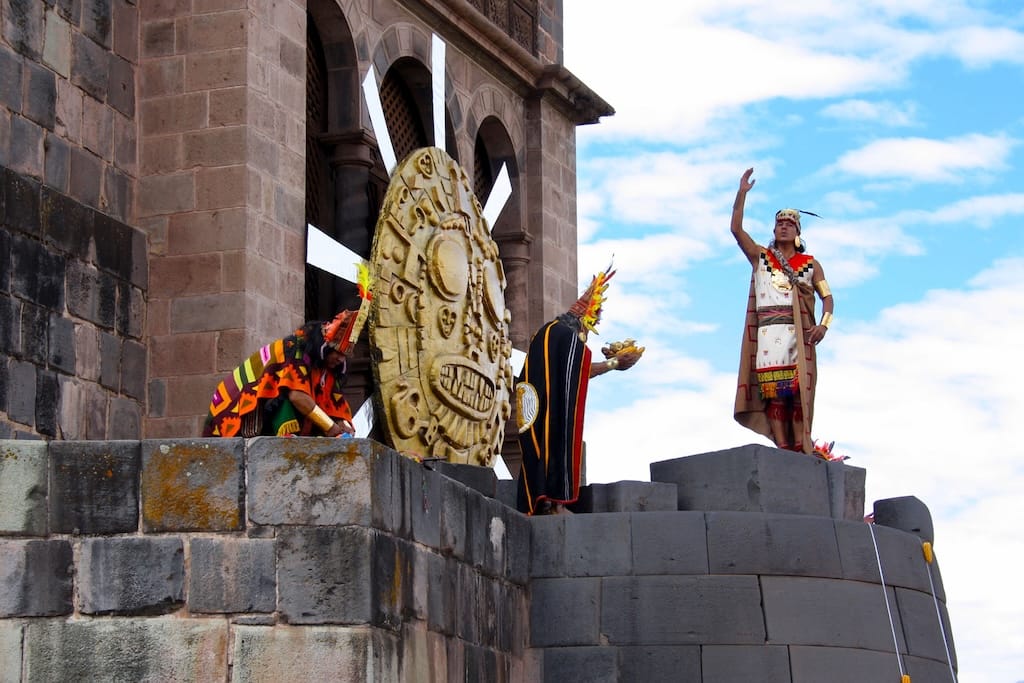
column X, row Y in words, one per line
column 72, row 313
column 267, row 559
column 316, row 559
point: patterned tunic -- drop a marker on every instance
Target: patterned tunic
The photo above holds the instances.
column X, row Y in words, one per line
column 776, row 361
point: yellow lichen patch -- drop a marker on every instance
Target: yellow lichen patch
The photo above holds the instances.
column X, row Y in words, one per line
column 179, row 489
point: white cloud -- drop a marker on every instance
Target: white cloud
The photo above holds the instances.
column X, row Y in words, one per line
column 928, row 160
column 884, row 113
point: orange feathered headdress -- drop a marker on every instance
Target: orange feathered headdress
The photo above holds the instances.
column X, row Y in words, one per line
column 588, row 307
column 342, row 332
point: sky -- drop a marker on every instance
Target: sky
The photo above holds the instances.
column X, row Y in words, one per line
column 901, row 123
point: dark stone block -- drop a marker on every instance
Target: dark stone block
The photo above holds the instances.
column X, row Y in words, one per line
column 790, row 545
column 125, row 419
column 96, row 21
column 116, row 575
column 669, row 543
column 906, row 513
column 232, row 575
column 5, row 383
column 40, row 95
column 21, row 201
column 666, row 663
column 469, row 603
column 113, row 246
column 425, row 498
column 453, row 518
column 157, row 398
column 69, row 9
column 10, row 81
column 598, row 545
column 829, row 613
column 36, row 578
column 682, row 610
column 481, row 479
column 89, row 66
column 23, row 26
column 506, row 492
column 582, row 665
column 140, row 260
column 547, row 546
column 5, row 258
column 38, row 274
column 627, row 496
column 92, row 295
column 845, row 665
column 900, row 552
column 121, row 86
column 133, row 369
column 66, row 223
column 391, row 580
column 94, row 487
column 518, row 539
column 33, row 334
column 62, row 344
column 565, row 612
column 21, row 401
column 731, row 663
column 110, row 361
column 117, row 191
column 442, row 591
column 483, row 525
column 926, row 635
column 56, row 162
column 85, row 176
column 324, row 575
column 26, row 146
column 47, row 402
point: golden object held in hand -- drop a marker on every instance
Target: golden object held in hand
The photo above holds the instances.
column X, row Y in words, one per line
column 616, row 349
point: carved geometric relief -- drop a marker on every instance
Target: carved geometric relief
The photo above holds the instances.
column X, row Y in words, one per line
column 439, row 325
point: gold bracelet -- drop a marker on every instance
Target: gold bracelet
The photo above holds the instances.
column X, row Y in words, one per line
column 612, row 363
column 823, row 288
column 321, row 419
column 826, row 319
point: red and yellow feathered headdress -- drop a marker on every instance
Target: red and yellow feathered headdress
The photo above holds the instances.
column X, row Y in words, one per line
column 342, row 332
column 588, row 307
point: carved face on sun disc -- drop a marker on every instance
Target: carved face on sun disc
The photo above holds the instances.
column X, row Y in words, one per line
column 439, row 327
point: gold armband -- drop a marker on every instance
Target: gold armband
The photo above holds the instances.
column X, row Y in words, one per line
column 823, row 288
column 321, row 419
column 612, row 363
column 826, row 320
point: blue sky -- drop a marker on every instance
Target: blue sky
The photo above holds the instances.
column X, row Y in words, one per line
column 903, row 126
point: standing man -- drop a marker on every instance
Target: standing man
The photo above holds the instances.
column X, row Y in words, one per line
column 778, row 363
column 551, row 395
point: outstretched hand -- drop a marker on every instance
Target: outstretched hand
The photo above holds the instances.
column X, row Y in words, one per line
column 745, row 182
column 628, row 359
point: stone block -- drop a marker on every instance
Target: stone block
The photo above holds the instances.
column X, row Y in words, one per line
column 470, row 603
column 10, row 84
column 846, row 490
column 25, row 147
column 844, row 665
column 121, row 85
column 167, row 649
column 126, row 29
column 566, row 612
column 791, row 545
column 113, row 246
column 36, row 578
column 96, row 21
column 34, row 322
column 627, row 496
column 47, row 402
column 85, row 177
column 92, row 296
column 506, row 491
column 424, row 492
column 392, row 578
column 920, row 669
column 192, row 485
column 4, row 388
column 324, row 575
column 56, row 162
column 314, row 481
column 682, row 610
column 828, row 613
column 928, row 634
column 547, row 546
column 232, row 575
column 37, row 275
column 518, row 539
column 485, row 534
column 906, row 513
column 40, row 95
column 110, row 360
column 125, row 419
column 94, row 487
column 118, row 190
column 598, row 545
column 734, row 663
column 89, row 64
column 5, row 265
column 662, row 663
column 61, row 349
column 23, row 488
column 335, row 653
column 453, row 518
column 21, row 203
column 10, row 327
column 116, row 575
column 133, row 369
column 750, row 478
column 11, row 634
column 23, row 26
column 66, row 223
column 208, row 313
column 57, row 44
column 480, row 479
column 442, row 590
column 582, row 665
column 669, row 543
column 21, row 402
column 901, row 554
